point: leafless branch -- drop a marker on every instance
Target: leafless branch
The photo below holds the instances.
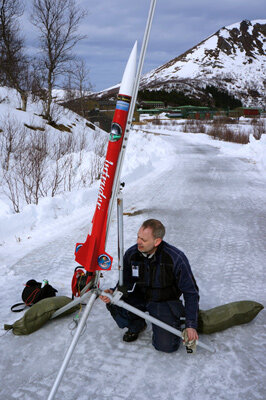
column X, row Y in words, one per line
column 57, row 22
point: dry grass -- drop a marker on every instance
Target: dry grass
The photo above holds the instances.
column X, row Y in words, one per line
column 156, row 121
column 60, row 127
column 34, row 128
column 259, row 128
column 220, row 129
column 195, row 126
column 225, row 120
column 227, row 134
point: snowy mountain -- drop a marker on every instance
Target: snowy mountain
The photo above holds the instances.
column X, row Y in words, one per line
column 233, row 58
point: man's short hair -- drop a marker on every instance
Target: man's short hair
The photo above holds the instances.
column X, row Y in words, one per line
column 158, row 229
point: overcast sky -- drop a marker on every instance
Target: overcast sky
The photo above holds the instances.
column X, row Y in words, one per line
column 112, row 26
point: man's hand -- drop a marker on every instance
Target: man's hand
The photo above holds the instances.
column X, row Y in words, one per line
column 192, row 334
column 106, row 299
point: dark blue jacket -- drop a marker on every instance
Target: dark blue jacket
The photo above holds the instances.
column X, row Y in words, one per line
column 163, row 277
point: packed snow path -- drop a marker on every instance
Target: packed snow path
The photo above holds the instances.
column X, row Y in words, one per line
column 213, row 206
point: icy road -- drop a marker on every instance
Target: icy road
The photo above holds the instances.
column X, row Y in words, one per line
column 213, row 204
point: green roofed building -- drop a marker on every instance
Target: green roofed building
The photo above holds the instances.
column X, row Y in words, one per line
column 150, row 111
column 151, row 104
column 191, row 110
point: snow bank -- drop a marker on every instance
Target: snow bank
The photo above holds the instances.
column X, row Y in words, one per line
column 255, row 151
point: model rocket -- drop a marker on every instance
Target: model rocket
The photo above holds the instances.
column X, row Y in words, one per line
column 91, row 254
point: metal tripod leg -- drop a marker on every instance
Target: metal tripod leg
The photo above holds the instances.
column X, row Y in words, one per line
column 85, row 293
column 73, row 303
column 120, row 234
column 72, row 346
column 115, row 299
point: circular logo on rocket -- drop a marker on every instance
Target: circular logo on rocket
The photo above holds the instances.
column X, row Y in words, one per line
column 116, row 132
column 104, row 261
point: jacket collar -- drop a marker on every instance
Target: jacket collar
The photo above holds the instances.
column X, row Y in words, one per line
column 156, row 253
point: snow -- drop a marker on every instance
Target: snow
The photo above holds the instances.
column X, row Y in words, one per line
column 211, row 197
column 206, row 63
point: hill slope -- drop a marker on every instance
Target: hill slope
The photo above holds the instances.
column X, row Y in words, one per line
column 232, row 59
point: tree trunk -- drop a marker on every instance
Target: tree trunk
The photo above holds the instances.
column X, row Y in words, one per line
column 24, row 100
column 49, row 98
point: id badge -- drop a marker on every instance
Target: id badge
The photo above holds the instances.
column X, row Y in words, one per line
column 135, row 271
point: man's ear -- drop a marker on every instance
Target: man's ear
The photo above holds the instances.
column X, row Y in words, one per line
column 157, row 242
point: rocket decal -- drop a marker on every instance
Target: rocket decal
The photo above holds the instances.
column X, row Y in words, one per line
column 91, row 254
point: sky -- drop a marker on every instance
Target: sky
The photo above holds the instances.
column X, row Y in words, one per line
column 112, row 26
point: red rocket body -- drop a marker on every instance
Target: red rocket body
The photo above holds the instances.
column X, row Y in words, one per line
column 91, row 254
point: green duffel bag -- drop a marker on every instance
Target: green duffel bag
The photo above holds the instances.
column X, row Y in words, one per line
column 38, row 314
column 223, row 317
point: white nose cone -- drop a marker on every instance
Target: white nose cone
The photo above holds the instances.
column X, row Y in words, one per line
column 129, row 75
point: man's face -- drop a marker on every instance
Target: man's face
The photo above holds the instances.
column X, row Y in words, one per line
column 146, row 242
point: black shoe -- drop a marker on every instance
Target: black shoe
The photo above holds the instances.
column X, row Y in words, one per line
column 132, row 336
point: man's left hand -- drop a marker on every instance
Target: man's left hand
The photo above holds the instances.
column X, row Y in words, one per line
column 192, row 334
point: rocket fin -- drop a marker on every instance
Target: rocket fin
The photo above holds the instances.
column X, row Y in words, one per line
column 84, row 253
column 91, row 256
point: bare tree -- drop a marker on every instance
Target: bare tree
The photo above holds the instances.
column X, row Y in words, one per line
column 11, row 139
column 78, row 78
column 37, row 81
column 12, row 189
column 97, row 159
column 69, row 92
column 32, row 165
column 57, row 22
column 81, row 82
column 12, row 143
column 77, row 85
column 14, row 67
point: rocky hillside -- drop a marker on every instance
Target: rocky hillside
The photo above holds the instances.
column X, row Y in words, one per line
column 233, row 59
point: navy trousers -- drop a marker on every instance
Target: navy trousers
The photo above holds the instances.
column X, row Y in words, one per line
column 168, row 312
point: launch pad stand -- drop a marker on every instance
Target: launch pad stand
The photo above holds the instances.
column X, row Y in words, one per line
column 94, row 290
column 115, row 299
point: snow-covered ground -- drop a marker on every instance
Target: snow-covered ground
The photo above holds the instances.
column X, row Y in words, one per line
column 211, row 197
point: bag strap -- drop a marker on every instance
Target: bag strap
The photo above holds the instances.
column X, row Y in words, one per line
column 30, row 299
column 20, row 309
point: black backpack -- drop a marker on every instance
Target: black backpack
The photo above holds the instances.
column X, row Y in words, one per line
column 80, row 279
column 32, row 293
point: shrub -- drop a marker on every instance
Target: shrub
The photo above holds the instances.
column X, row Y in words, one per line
column 156, row 121
column 194, row 126
column 34, row 164
column 225, row 120
column 227, row 134
column 259, row 128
